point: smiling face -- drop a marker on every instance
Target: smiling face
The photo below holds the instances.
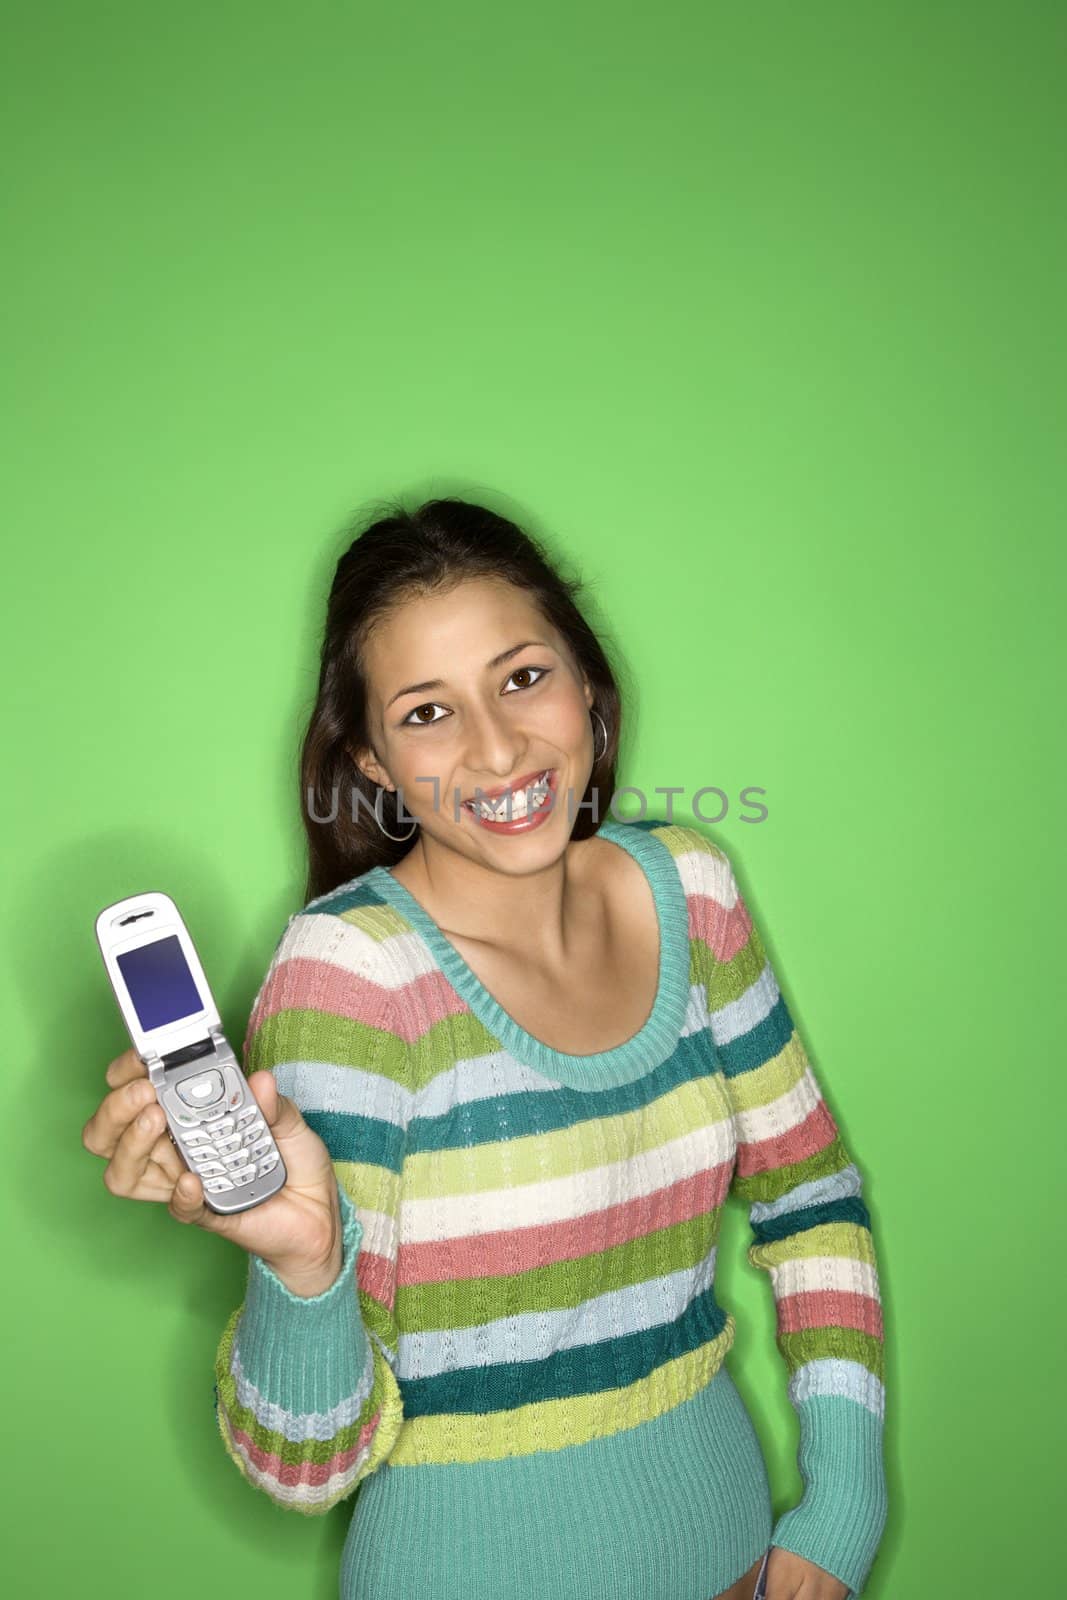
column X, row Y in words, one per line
column 473, row 692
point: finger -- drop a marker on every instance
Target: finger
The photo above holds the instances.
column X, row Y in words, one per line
column 124, row 1068
column 125, row 1173
column 187, row 1204
column 114, row 1114
column 166, row 1158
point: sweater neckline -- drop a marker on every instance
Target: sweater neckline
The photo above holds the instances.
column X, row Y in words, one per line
column 653, row 1042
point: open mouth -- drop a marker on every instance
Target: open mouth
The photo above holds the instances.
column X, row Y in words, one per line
column 515, row 805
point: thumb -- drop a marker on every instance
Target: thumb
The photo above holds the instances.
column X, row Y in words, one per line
column 281, row 1114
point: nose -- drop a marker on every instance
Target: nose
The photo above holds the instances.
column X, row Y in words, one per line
column 495, row 745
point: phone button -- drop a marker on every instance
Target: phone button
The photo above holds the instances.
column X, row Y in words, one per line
column 249, row 1114
column 268, row 1164
column 202, row 1152
column 235, row 1088
column 216, row 1127
column 229, row 1144
column 216, row 1185
column 256, row 1131
column 211, row 1169
column 260, row 1147
column 243, row 1174
column 202, row 1091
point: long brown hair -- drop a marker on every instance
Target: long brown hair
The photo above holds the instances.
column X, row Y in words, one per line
column 397, row 556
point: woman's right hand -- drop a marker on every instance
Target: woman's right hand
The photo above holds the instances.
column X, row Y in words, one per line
column 297, row 1232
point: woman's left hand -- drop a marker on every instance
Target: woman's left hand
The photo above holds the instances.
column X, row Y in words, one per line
column 791, row 1577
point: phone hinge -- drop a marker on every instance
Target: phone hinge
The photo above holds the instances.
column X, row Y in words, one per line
column 155, row 1069
column 223, row 1048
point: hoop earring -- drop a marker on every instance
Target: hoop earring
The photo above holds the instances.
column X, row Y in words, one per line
column 603, row 752
column 384, row 830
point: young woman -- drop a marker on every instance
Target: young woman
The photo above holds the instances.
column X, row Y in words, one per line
column 516, row 1055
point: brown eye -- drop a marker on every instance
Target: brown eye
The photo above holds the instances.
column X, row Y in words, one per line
column 541, row 672
column 420, row 721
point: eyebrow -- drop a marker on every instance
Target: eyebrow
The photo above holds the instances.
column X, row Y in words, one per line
column 497, row 661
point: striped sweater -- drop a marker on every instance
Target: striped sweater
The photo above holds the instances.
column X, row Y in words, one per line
column 521, row 1365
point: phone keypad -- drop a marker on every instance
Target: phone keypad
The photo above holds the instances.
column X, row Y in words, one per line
column 223, row 1139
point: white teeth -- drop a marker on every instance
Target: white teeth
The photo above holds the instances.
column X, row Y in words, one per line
column 521, row 803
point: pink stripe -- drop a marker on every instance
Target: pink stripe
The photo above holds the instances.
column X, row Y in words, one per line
column 502, row 1253
column 407, row 1012
column 725, row 932
column 314, row 1473
column 817, row 1130
column 830, row 1308
column 307, row 983
column 376, row 1276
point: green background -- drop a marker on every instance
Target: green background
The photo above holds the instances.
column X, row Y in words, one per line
column 756, row 312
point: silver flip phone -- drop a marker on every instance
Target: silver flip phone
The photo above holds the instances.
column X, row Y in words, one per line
column 213, row 1118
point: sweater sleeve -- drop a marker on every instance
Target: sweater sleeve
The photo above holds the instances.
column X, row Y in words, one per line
column 307, row 1397
column 811, row 1233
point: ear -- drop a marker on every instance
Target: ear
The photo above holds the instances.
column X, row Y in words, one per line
column 369, row 766
column 589, row 695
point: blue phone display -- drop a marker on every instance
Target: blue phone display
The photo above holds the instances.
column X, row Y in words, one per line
column 160, row 983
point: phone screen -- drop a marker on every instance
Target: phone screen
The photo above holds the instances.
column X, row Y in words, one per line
column 160, row 983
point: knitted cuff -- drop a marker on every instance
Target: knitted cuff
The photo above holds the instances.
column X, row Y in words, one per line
column 305, row 1353
column 840, row 1519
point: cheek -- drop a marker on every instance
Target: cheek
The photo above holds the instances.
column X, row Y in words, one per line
column 567, row 722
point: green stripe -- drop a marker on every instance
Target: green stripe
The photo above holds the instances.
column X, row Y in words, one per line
column 302, row 1034
column 465, row 1303
column 774, row 1183
column 292, row 1451
column 847, row 1344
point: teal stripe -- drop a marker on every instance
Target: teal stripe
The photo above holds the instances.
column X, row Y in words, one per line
column 607, row 1364
column 759, row 1044
column 349, row 1137
column 518, row 1113
column 851, row 1209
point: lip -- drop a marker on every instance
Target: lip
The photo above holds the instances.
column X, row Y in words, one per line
column 526, row 781
column 533, row 818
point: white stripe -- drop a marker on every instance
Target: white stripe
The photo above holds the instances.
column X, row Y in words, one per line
column 778, row 1116
column 810, row 1274
column 708, row 873
column 303, row 1494
column 573, row 1194
column 381, row 1232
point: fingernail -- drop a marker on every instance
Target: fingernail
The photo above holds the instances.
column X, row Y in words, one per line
column 145, row 1120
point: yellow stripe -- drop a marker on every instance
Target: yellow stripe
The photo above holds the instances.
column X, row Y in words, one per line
column 750, row 1090
column 555, row 1424
column 828, row 1239
column 372, row 1187
column 538, row 1157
